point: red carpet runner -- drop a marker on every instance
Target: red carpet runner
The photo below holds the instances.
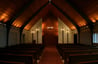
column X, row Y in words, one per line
column 50, row 55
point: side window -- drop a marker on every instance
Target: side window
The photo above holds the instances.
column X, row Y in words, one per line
column 95, row 36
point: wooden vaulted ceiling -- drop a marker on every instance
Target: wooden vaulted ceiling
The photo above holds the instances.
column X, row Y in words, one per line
column 25, row 13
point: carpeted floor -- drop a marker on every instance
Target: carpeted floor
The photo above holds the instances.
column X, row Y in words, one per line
column 50, row 55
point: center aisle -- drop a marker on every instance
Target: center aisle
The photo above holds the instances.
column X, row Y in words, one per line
column 50, row 55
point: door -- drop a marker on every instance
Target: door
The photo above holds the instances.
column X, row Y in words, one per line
column 50, row 39
column 75, row 38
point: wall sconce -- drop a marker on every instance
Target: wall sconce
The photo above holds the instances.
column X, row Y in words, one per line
column 37, row 29
column 62, row 29
column 50, row 27
column 67, row 31
column 32, row 32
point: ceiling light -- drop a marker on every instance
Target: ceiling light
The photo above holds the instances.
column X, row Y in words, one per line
column 50, row 27
column 49, row 1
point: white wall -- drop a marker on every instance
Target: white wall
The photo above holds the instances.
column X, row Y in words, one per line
column 85, row 36
column 2, row 35
column 14, row 36
column 28, row 34
column 38, row 26
column 67, row 32
column 27, row 37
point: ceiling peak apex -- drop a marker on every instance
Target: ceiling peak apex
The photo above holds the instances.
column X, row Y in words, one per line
column 49, row 1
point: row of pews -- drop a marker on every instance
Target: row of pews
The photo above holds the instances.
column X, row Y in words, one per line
column 21, row 54
column 78, row 54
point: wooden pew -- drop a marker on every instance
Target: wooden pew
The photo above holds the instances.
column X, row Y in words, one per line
column 76, row 49
column 27, row 46
column 79, row 58
column 26, row 50
column 10, row 62
column 66, row 52
column 38, row 47
column 62, row 47
column 35, row 52
column 22, row 52
column 89, row 62
column 38, row 50
column 27, row 59
column 78, row 54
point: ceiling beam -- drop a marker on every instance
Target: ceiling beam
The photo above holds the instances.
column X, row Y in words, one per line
column 33, row 16
column 71, row 20
column 22, row 27
column 89, row 22
column 9, row 22
column 23, row 8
